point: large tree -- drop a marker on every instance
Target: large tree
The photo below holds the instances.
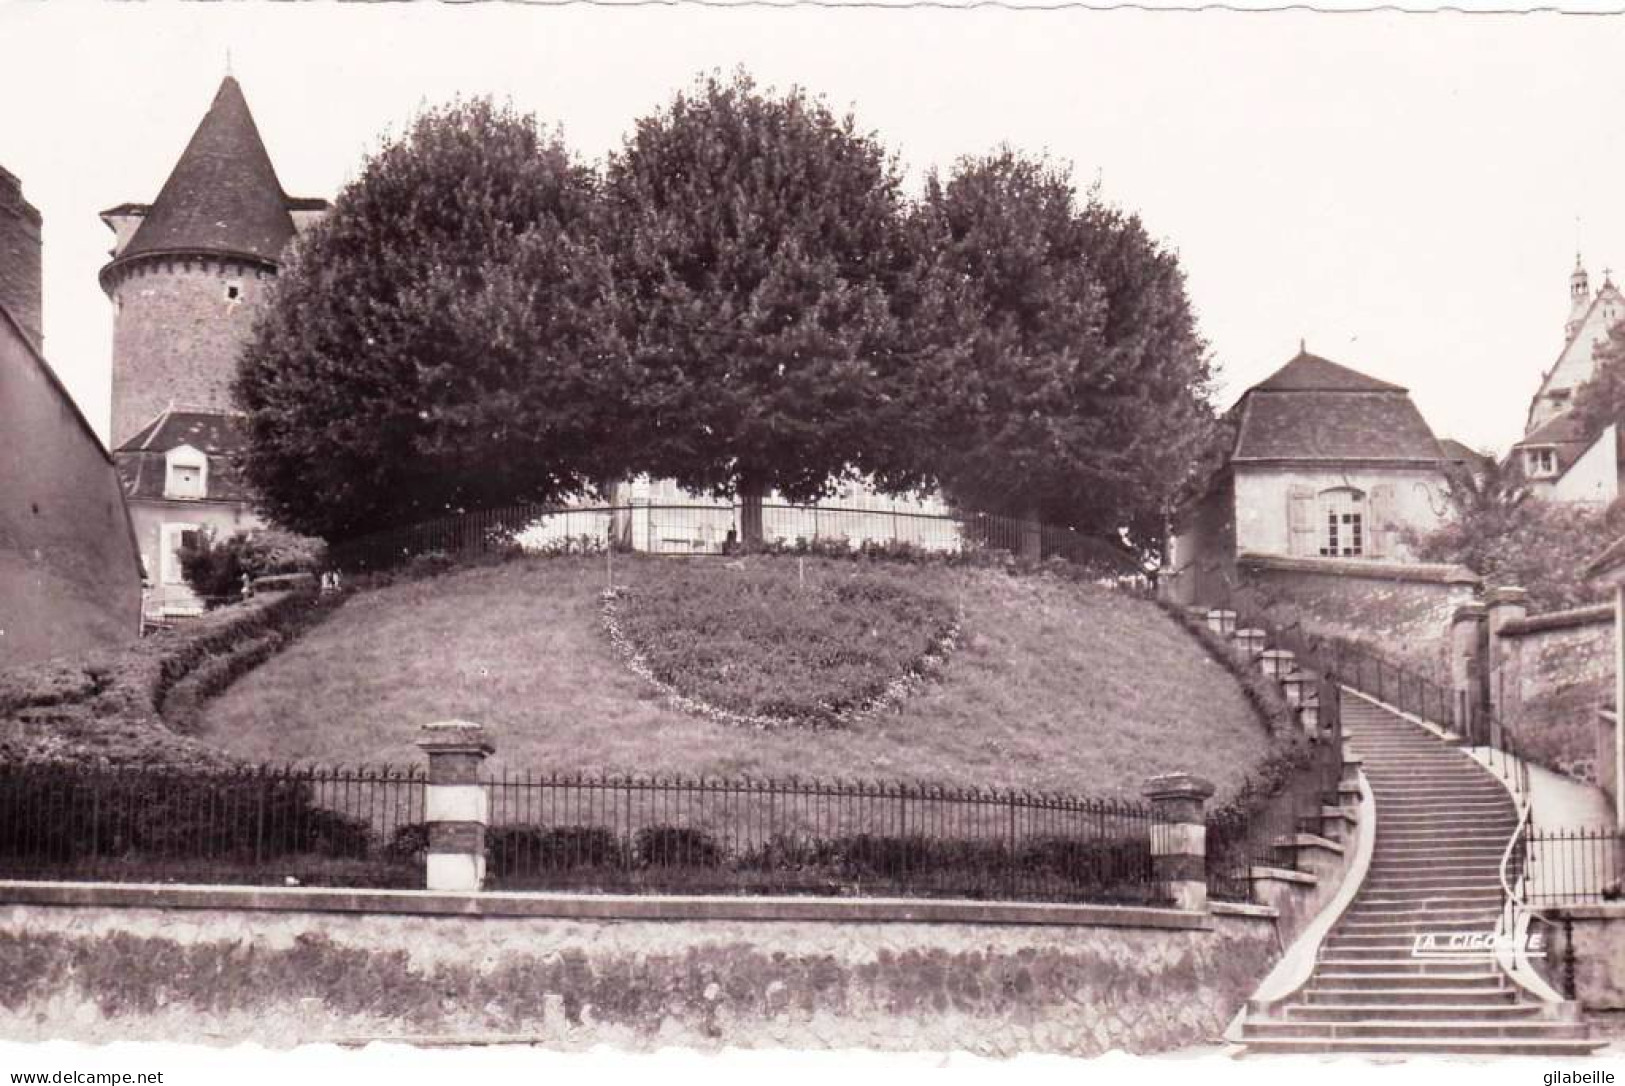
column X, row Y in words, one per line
column 437, row 342
column 1059, row 360
column 757, row 239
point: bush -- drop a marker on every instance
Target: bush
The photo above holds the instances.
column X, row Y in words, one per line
column 525, row 849
column 215, row 569
column 675, row 846
column 69, row 814
column 133, row 706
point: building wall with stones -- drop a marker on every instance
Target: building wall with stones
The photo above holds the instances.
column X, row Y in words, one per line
column 1402, row 610
column 69, row 576
column 179, row 326
column 20, row 291
column 1553, row 672
column 99, row 973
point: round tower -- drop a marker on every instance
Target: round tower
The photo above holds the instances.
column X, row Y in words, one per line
column 189, row 271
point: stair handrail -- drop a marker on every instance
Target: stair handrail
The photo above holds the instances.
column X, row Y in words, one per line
column 1512, row 927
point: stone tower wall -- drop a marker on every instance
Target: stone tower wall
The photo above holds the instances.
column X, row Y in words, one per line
column 177, row 334
column 20, row 257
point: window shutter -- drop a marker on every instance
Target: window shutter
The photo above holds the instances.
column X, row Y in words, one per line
column 1300, row 509
column 1381, row 520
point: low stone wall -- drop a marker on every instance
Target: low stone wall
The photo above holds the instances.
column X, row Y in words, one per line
column 1403, row 610
column 104, row 963
column 1599, row 953
column 1554, row 671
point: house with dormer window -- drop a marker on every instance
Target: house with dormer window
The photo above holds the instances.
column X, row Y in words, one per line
column 181, row 486
column 1325, row 463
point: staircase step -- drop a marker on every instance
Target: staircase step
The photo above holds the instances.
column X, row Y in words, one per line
column 1374, row 905
column 1457, row 1030
column 1399, row 1046
column 1415, row 1011
column 1360, row 995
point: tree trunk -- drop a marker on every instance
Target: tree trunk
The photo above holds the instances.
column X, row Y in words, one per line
column 752, row 488
column 1032, row 537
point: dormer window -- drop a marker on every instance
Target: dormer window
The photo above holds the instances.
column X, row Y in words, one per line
column 1540, row 463
column 186, row 473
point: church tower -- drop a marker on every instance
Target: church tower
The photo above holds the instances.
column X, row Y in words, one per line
column 1579, row 299
column 188, row 275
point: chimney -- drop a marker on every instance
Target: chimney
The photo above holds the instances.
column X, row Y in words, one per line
column 20, row 256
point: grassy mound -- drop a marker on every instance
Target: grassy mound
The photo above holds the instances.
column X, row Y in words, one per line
column 763, row 643
column 1053, row 686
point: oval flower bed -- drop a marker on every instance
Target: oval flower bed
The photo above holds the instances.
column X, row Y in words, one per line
column 768, row 642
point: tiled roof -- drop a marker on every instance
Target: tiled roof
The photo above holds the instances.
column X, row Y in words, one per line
column 1311, row 373
column 1565, row 429
column 1313, row 409
column 141, row 460
column 223, row 194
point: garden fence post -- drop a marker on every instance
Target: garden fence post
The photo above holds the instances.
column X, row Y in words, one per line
column 456, row 807
column 1179, row 836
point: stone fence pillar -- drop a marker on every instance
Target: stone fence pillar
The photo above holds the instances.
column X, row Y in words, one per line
column 1467, row 666
column 1179, row 836
column 1505, row 605
column 455, row 804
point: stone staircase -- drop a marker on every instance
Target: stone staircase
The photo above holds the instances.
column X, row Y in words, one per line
column 1443, row 823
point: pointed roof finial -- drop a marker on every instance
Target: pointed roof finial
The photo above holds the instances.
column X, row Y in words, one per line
column 1303, row 345
column 228, row 60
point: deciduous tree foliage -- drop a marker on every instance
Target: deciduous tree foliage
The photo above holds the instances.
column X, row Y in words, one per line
column 1600, row 402
column 1500, row 532
column 1060, row 362
column 757, row 237
column 437, row 341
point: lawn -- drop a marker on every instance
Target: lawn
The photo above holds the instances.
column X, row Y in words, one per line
column 1052, row 686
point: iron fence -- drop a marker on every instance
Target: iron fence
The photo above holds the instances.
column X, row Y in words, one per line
column 627, row 834
column 700, row 529
column 1572, row 865
column 334, row 827
column 1264, row 834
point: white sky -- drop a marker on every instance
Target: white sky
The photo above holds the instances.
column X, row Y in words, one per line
column 1399, row 190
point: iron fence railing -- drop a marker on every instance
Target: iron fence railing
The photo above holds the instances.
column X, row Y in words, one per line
column 1265, row 835
column 366, row 827
column 699, row 529
column 806, row 837
column 261, row 825
column 1573, row 865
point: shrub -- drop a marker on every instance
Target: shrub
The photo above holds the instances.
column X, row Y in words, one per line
column 215, row 569
column 132, row 706
column 522, row 849
column 675, row 846
column 193, row 817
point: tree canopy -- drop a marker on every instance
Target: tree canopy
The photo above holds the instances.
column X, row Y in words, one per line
column 1508, row 537
column 1062, row 368
column 436, row 342
column 1600, row 401
column 756, row 240
column 744, row 302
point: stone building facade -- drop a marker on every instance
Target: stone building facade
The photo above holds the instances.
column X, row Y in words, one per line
column 69, row 576
column 1325, row 463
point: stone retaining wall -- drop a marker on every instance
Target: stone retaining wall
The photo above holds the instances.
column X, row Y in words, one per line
column 1554, row 671
column 283, row 967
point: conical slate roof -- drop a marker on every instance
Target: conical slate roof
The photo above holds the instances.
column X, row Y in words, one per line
column 223, row 195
